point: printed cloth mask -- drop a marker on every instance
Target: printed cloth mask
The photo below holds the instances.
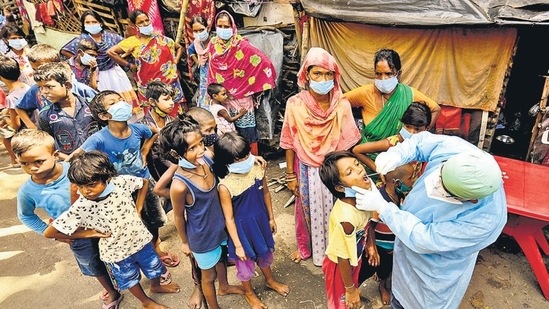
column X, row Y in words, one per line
column 86, row 59
column 202, row 36
column 108, row 190
column 17, row 44
column 147, row 30
column 349, row 192
column 121, row 111
column 209, row 139
column 93, row 29
column 386, row 85
column 321, row 87
column 242, row 167
column 224, row 33
column 184, row 163
column 404, row 133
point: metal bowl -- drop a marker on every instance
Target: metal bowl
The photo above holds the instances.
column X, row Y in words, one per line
column 506, row 139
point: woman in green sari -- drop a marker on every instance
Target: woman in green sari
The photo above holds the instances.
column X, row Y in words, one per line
column 383, row 103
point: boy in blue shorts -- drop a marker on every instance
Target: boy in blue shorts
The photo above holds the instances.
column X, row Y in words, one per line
column 105, row 210
column 49, row 188
column 127, row 146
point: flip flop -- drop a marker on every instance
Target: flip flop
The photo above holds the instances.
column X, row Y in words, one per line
column 166, row 278
column 170, row 260
column 115, row 304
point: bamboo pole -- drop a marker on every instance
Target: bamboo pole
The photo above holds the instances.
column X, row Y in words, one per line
column 181, row 25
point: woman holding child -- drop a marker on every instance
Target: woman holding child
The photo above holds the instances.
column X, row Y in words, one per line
column 110, row 76
column 156, row 57
column 317, row 120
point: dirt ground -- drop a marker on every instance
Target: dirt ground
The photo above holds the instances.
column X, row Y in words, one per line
column 39, row 273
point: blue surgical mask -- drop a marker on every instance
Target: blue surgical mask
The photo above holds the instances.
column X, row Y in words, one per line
column 242, row 167
column 120, row 111
column 184, row 163
column 404, row 133
column 202, row 36
column 386, row 85
column 349, row 192
column 17, row 44
column 147, row 30
column 108, row 190
column 224, row 33
column 86, row 59
column 322, row 87
column 93, row 29
column 209, row 139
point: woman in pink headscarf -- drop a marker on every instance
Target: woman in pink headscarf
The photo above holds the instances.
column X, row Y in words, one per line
column 243, row 70
column 317, row 120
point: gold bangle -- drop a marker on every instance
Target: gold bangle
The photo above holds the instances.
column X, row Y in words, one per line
column 350, row 287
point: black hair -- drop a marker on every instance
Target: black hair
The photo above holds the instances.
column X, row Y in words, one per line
column 83, row 18
column 97, row 106
column 172, row 137
column 85, row 44
column 389, row 55
column 58, row 71
column 198, row 19
column 230, row 147
column 89, row 167
column 11, row 29
column 329, row 173
column 133, row 15
column 157, row 88
column 417, row 114
column 214, row 88
column 9, row 68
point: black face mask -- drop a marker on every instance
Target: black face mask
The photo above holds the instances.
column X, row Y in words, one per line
column 209, row 139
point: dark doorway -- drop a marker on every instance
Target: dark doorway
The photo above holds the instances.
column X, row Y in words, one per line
column 524, row 89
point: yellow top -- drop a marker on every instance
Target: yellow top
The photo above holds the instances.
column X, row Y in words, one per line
column 340, row 244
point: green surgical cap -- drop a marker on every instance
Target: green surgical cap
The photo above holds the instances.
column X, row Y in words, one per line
column 471, row 175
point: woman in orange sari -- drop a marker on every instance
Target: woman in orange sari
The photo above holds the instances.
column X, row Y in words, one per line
column 317, row 120
column 156, row 57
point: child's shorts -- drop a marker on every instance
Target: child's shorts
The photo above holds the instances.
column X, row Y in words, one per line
column 245, row 270
column 127, row 273
column 6, row 132
column 153, row 215
column 86, row 252
column 207, row 260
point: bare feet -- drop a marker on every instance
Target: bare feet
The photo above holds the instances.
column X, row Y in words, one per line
column 384, row 292
column 195, row 301
column 154, row 305
column 254, row 301
column 278, row 287
column 230, row 289
column 166, row 288
column 296, row 257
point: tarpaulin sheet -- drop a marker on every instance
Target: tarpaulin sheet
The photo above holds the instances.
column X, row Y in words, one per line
column 463, row 67
column 440, row 12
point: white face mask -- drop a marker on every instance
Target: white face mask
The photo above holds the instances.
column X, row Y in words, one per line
column 202, row 36
column 147, row 30
column 386, row 85
column 17, row 44
column 86, row 59
column 93, row 28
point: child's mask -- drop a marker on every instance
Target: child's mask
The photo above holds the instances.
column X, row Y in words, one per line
column 242, row 167
column 121, row 111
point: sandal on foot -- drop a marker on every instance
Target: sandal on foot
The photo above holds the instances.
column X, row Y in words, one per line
column 166, row 278
column 115, row 304
column 170, row 260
